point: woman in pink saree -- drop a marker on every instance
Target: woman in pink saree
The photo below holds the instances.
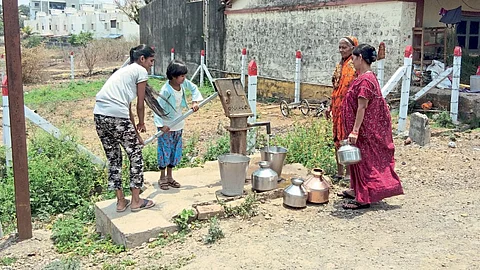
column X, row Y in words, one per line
column 368, row 123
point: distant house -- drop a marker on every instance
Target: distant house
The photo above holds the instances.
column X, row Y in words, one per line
column 272, row 30
column 105, row 21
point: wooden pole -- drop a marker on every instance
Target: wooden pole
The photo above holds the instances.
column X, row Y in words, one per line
column 17, row 118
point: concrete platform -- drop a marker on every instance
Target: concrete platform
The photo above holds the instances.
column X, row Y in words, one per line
column 199, row 185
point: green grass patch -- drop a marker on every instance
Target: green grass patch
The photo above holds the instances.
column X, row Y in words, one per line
column 7, row 261
column 63, row 92
column 310, row 144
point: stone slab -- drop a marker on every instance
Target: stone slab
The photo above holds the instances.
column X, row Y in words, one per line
column 419, row 130
column 200, row 186
column 208, row 211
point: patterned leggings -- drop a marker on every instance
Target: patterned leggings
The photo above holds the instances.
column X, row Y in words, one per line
column 113, row 132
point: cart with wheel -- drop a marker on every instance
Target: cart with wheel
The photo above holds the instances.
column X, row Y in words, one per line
column 318, row 109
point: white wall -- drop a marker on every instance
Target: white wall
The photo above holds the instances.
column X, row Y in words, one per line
column 66, row 24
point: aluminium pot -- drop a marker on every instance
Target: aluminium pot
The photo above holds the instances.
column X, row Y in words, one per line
column 317, row 188
column 295, row 195
column 264, row 178
column 348, row 154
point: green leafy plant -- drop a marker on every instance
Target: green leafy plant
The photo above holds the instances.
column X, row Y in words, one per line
column 190, row 152
column 217, row 147
column 214, row 232
column 7, row 261
column 247, row 209
column 444, row 120
column 68, row 236
column 310, row 144
column 64, row 264
column 184, row 218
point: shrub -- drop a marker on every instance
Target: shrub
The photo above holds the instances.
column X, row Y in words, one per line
column 61, row 178
column 33, row 62
column 217, row 147
column 444, row 120
column 214, row 232
column 310, row 144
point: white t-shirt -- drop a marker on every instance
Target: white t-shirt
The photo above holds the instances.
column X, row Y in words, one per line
column 119, row 91
column 178, row 100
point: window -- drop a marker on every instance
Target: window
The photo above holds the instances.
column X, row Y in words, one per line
column 93, row 26
column 37, row 4
column 73, row 6
column 72, row 26
column 37, row 27
column 56, row 27
column 64, row 27
column 113, row 23
column 468, row 34
column 50, row 27
column 83, row 26
column 106, row 26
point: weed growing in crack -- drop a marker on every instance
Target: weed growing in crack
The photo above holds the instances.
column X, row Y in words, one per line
column 214, row 232
column 247, row 209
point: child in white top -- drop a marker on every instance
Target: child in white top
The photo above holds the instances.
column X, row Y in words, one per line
column 169, row 151
column 115, row 125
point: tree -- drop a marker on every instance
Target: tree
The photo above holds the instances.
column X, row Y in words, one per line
column 24, row 10
column 81, row 39
column 131, row 8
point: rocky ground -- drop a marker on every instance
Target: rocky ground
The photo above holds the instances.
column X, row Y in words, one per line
column 435, row 225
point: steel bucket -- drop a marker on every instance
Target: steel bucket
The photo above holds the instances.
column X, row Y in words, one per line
column 276, row 155
column 233, row 172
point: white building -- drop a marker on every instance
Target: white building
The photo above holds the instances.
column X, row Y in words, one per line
column 104, row 21
column 47, row 6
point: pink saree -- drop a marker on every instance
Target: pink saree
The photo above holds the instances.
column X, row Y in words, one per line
column 374, row 178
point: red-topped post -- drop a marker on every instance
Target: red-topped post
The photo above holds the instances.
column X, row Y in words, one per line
column 202, row 66
column 72, row 66
column 381, row 64
column 252, row 102
column 298, row 67
column 243, row 66
column 405, row 92
column 7, row 140
column 457, row 66
column 172, row 54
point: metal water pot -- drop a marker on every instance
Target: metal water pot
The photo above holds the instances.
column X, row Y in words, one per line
column 317, row 188
column 295, row 195
column 348, row 154
column 264, row 178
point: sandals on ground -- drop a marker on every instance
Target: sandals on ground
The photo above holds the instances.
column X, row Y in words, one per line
column 354, row 205
column 171, row 182
column 344, row 194
column 145, row 205
column 127, row 204
column 163, row 183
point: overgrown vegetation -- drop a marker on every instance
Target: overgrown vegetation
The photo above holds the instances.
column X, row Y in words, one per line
column 247, row 209
column 217, row 147
column 443, row 119
column 310, row 144
column 33, row 64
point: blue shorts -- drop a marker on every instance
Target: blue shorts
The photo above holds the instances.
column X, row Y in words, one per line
column 169, row 150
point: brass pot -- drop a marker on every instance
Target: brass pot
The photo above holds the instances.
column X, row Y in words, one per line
column 317, row 188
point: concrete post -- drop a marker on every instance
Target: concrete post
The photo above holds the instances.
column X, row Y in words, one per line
column 381, row 65
column 457, row 66
column 7, row 140
column 72, row 66
column 202, row 63
column 243, row 66
column 252, row 102
column 2, row 65
column 152, row 69
column 405, row 94
column 172, row 54
column 298, row 66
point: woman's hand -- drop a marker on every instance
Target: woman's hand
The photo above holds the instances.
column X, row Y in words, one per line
column 141, row 127
column 165, row 129
column 195, row 106
column 352, row 137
